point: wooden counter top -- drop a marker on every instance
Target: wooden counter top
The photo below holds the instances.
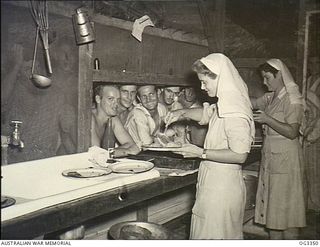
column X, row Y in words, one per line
column 77, row 211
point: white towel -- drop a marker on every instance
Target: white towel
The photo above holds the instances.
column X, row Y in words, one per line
column 99, row 156
column 139, row 25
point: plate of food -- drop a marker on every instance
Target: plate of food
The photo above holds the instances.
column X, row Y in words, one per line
column 7, row 201
column 131, row 167
column 89, row 172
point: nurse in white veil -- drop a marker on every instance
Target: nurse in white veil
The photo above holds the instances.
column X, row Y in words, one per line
column 280, row 198
column 220, row 199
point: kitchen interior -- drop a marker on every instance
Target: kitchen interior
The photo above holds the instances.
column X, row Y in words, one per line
column 49, row 73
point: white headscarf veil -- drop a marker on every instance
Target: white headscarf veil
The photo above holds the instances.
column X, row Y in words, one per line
column 291, row 87
column 232, row 91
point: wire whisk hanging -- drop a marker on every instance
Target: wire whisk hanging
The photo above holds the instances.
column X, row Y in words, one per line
column 39, row 12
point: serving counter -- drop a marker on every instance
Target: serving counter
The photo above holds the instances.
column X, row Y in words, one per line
column 69, row 203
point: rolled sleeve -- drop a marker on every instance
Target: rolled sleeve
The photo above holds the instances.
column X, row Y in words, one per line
column 143, row 130
column 206, row 113
column 238, row 134
column 139, row 127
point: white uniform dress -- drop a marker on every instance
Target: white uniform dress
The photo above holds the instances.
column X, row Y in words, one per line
column 220, row 199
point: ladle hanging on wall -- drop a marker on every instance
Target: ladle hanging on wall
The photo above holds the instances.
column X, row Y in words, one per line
column 38, row 80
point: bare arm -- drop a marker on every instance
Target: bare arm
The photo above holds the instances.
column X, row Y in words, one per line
column 184, row 114
column 226, row 156
column 290, row 131
column 127, row 146
column 238, row 134
column 222, row 155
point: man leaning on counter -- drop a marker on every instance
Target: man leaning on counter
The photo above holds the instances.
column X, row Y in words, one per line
column 105, row 114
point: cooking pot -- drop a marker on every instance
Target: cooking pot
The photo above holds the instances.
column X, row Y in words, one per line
column 135, row 230
column 251, row 183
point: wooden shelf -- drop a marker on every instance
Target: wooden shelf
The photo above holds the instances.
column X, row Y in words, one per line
column 129, row 77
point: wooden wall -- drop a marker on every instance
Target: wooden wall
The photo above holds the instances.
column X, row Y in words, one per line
column 118, row 50
column 164, row 53
column 38, row 109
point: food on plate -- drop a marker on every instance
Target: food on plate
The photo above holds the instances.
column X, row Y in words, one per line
column 163, row 140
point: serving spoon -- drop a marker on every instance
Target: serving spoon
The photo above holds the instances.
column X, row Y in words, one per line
column 38, row 80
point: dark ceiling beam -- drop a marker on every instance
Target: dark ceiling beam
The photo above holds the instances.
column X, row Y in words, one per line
column 63, row 9
column 212, row 15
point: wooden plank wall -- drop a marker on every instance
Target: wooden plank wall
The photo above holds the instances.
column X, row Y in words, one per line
column 118, row 50
column 159, row 53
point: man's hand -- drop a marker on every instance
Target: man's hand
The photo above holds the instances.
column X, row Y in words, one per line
column 174, row 116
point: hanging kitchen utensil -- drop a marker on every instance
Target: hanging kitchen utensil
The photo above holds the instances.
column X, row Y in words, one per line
column 82, row 27
column 39, row 12
column 38, row 80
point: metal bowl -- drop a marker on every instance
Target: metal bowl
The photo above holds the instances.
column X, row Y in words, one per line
column 135, row 230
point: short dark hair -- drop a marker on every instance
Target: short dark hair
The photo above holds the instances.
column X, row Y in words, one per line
column 148, row 85
column 200, row 68
column 99, row 89
column 268, row 68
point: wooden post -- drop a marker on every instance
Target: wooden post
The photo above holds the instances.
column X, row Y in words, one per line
column 213, row 19
column 300, row 43
column 84, row 97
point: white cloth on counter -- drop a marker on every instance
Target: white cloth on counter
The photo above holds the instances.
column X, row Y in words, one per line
column 39, row 184
column 99, row 156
